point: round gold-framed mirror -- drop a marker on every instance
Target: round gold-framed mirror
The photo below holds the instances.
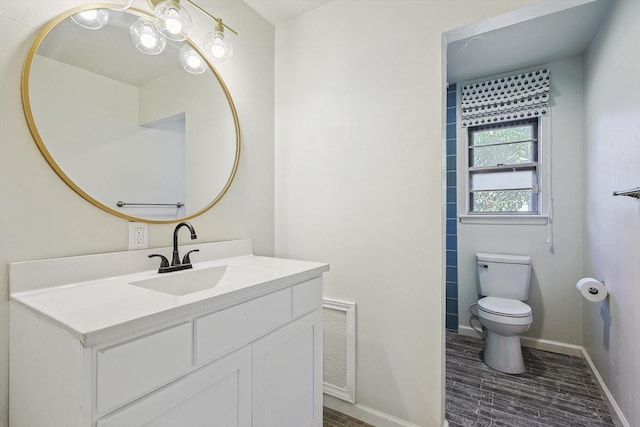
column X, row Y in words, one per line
column 135, row 134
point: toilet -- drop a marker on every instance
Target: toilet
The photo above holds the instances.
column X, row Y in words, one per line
column 503, row 284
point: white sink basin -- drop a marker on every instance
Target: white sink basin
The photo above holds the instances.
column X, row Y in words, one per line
column 189, row 281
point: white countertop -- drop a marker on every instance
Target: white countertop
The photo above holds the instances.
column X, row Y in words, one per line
column 96, row 311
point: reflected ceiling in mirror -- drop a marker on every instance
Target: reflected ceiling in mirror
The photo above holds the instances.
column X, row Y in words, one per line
column 135, row 134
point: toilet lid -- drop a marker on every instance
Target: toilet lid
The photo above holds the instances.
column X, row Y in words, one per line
column 504, row 307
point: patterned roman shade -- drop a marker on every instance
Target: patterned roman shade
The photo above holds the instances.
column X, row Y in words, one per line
column 519, row 96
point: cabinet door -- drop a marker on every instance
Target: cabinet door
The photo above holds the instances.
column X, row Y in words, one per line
column 132, row 369
column 217, row 395
column 287, row 375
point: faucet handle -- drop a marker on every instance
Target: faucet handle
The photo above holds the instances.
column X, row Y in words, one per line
column 187, row 259
column 164, row 262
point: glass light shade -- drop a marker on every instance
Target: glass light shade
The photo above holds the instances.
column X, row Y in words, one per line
column 191, row 60
column 219, row 48
column 122, row 4
column 174, row 22
column 93, row 19
column 146, row 38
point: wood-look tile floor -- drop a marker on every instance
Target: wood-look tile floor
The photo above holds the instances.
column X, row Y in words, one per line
column 556, row 390
column 333, row 418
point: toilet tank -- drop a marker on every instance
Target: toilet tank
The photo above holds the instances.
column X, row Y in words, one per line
column 504, row 276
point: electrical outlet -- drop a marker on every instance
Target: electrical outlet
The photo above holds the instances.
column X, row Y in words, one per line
column 138, row 233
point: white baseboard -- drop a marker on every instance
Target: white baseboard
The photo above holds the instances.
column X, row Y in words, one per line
column 468, row 331
column 367, row 414
column 540, row 344
column 618, row 416
column 570, row 350
column 552, row 346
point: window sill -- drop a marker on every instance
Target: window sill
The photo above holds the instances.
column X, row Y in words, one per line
column 505, row 219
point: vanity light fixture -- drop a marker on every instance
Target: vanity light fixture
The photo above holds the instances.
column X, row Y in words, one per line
column 174, row 22
column 92, row 19
column 215, row 44
column 146, row 38
column 191, row 60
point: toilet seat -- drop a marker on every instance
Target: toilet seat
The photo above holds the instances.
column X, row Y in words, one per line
column 504, row 310
column 504, row 307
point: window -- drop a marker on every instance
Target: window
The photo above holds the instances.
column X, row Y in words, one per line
column 503, row 168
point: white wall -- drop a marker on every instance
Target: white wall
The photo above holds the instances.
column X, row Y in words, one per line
column 556, row 305
column 612, row 224
column 41, row 217
column 99, row 136
column 209, row 131
column 359, row 137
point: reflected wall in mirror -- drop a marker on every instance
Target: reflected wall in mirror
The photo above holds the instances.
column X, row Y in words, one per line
column 119, row 125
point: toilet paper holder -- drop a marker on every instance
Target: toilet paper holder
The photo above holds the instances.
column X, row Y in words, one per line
column 592, row 289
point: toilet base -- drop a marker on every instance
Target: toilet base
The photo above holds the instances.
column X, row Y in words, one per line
column 503, row 353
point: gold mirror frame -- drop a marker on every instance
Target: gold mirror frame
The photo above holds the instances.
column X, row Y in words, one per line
column 26, row 104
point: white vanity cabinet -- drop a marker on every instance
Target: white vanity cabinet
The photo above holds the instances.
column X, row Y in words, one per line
column 254, row 362
column 284, row 364
column 217, row 394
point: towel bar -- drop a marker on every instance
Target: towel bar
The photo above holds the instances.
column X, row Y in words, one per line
column 122, row 204
column 634, row 192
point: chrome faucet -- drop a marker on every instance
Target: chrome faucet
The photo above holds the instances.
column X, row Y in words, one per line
column 176, row 264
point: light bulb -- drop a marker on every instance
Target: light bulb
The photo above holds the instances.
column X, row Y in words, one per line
column 92, row 19
column 89, row 15
column 194, row 62
column 218, row 46
column 145, row 37
column 148, row 40
column 174, row 22
column 191, row 60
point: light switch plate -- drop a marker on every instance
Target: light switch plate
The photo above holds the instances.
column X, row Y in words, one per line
column 138, row 235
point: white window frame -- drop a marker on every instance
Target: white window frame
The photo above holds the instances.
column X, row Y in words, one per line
column 463, row 177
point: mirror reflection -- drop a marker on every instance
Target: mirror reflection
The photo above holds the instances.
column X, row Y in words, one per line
column 139, row 135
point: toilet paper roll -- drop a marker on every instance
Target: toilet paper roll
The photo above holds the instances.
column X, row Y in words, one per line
column 592, row 289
